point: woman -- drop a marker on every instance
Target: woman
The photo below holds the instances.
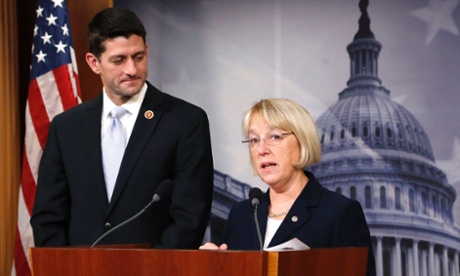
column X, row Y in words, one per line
column 283, row 141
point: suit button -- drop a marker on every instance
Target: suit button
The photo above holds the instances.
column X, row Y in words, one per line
column 107, row 225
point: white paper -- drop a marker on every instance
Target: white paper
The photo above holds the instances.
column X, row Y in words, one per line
column 294, row 244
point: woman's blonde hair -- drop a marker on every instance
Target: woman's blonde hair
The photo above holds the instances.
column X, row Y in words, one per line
column 289, row 116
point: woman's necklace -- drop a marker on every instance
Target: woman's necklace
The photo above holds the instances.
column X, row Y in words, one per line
column 277, row 215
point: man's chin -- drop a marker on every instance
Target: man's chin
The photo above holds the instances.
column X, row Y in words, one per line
column 132, row 88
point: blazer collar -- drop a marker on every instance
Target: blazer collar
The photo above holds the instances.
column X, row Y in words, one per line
column 298, row 215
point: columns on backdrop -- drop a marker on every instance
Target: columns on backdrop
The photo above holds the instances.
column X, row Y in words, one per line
column 379, row 256
column 420, row 258
column 416, row 257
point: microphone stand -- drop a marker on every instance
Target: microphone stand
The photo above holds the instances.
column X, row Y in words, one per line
column 154, row 199
column 258, row 227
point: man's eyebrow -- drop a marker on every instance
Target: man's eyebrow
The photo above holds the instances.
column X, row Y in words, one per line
column 140, row 53
column 117, row 56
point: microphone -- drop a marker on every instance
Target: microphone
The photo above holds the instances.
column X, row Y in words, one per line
column 254, row 195
column 164, row 190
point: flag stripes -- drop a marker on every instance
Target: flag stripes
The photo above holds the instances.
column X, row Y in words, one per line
column 53, row 88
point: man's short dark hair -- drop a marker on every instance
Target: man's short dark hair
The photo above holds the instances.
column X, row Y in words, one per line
column 111, row 23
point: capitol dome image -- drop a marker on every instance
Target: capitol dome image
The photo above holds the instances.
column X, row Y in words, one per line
column 375, row 151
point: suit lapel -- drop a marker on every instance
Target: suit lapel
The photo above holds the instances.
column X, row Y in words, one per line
column 299, row 214
column 142, row 131
column 91, row 129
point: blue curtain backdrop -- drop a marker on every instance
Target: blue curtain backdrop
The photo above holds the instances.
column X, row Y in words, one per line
column 226, row 55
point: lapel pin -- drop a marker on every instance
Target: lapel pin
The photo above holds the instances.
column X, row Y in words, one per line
column 294, row 218
column 149, row 114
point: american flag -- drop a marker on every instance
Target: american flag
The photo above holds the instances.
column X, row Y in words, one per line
column 53, row 88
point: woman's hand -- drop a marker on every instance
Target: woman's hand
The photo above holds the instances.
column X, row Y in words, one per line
column 212, row 246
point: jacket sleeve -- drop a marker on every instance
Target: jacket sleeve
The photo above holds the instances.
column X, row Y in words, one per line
column 51, row 209
column 193, row 185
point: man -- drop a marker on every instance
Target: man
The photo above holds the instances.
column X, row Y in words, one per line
column 166, row 138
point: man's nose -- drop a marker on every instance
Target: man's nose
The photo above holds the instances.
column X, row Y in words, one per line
column 130, row 67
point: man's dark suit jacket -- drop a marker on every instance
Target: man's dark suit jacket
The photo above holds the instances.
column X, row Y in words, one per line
column 324, row 219
column 71, row 205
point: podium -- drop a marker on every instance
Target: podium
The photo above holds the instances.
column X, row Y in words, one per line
column 102, row 261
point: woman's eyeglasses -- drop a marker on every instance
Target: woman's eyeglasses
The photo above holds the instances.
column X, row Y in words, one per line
column 272, row 140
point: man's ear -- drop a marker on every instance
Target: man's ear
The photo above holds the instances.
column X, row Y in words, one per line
column 93, row 62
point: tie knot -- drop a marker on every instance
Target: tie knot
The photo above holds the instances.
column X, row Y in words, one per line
column 118, row 112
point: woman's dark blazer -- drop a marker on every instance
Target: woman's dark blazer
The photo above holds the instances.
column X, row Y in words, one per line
column 319, row 218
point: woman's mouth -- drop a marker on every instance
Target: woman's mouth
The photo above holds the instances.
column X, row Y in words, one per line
column 267, row 165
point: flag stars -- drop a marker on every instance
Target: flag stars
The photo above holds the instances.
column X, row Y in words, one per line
column 46, row 38
column 39, row 12
column 65, row 30
column 51, row 41
column 40, row 56
column 438, row 15
column 51, row 19
column 60, row 47
column 57, row 3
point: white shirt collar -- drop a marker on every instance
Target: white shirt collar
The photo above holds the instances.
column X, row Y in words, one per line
column 133, row 105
